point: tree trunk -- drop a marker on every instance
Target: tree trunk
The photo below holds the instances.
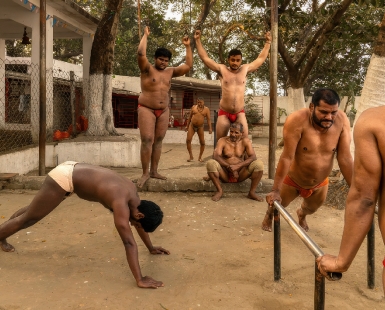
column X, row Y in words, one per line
column 99, row 94
column 296, row 99
column 373, row 92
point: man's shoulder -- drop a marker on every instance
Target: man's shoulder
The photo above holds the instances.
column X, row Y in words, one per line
column 298, row 116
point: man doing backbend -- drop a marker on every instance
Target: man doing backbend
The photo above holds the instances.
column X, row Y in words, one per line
column 153, row 111
column 229, row 164
column 368, row 187
column 312, row 136
column 194, row 124
column 233, row 81
column 102, row 185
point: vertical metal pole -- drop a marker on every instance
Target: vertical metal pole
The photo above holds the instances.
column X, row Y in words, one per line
column 319, row 290
column 277, row 246
column 371, row 265
column 273, row 88
column 43, row 89
column 73, row 108
column 215, row 128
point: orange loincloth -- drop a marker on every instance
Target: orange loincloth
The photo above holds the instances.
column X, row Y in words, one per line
column 304, row 192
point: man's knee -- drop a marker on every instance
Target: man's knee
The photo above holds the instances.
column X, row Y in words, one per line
column 213, row 166
column 255, row 166
column 188, row 141
column 147, row 140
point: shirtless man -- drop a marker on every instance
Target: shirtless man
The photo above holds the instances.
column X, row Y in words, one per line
column 102, row 185
column 195, row 124
column 233, row 81
column 368, row 186
column 229, row 164
column 311, row 138
column 153, row 111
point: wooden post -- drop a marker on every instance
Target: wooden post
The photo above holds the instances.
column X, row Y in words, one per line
column 273, row 88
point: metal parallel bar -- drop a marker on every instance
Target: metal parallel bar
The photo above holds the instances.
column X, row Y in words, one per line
column 43, row 89
column 312, row 246
column 371, row 263
column 319, row 290
column 319, row 280
column 277, row 246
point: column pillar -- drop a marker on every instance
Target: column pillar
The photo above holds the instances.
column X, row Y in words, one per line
column 87, row 46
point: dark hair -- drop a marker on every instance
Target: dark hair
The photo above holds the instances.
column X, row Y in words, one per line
column 234, row 52
column 153, row 215
column 163, row 52
column 237, row 125
column 328, row 95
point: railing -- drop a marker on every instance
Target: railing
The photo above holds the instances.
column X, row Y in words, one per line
column 319, row 280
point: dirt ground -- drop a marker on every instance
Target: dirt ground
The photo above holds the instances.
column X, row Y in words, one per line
column 220, row 258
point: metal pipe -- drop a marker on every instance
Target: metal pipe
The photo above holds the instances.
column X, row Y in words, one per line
column 43, row 89
column 277, row 246
column 370, row 263
column 319, row 290
column 312, row 246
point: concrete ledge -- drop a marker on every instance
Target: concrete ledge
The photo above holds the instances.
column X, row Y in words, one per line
column 154, row 185
column 199, row 185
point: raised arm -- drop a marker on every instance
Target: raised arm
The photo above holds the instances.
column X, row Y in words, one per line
column 344, row 157
column 362, row 196
column 143, row 62
column 184, row 68
column 211, row 64
column 291, row 136
column 262, row 55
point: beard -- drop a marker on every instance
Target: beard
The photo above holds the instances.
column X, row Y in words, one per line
column 321, row 123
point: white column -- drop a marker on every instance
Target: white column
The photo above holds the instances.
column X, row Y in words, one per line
column 2, row 83
column 87, row 46
column 35, row 80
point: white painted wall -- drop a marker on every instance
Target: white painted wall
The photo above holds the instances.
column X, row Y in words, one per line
column 103, row 153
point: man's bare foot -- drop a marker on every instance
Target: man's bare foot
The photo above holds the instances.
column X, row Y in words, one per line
column 302, row 219
column 201, row 160
column 267, row 221
column 156, row 175
column 254, row 196
column 143, row 179
column 206, row 178
column 217, row 196
column 190, row 160
column 6, row 247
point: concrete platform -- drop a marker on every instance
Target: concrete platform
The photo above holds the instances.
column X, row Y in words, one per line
column 181, row 175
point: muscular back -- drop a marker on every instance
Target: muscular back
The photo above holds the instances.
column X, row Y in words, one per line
column 155, row 86
column 315, row 151
column 233, row 89
column 94, row 183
